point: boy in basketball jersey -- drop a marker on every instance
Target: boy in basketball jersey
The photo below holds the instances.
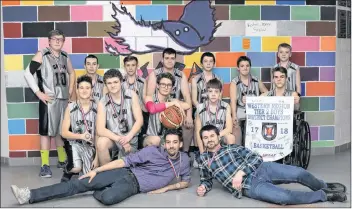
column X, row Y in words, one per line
column 279, row 78
column 293, row 82
column 242, row 86
column 161, row 100
column 79, row 127
column 119, row 119
column 91, row 64
column 216, row 112
column 136, row 83
column 180, row 91
column 56, row 78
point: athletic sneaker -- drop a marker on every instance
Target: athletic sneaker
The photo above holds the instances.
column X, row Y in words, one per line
column 22, row 194
column 61, row 165
column 336, row 197
column 45, row 172
column 335, row 187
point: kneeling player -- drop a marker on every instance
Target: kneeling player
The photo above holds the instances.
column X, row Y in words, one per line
column 79, row 128
column 216, row 112
column 158, row 103
column 119, row 119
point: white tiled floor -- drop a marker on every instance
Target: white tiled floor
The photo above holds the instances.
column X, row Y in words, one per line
column 336, row 168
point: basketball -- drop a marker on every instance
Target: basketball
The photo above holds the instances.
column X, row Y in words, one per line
column 172, row 117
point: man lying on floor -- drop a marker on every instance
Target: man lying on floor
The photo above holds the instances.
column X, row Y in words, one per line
column 242, row 171
column 151, row 170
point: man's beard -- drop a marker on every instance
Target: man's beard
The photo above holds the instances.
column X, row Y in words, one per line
column 172, row 154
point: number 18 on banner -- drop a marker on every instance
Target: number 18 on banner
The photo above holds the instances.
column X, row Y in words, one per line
column 269, row 129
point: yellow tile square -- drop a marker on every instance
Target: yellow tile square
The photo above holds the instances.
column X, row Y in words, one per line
column 263, row 2
column 193, row 58
column 36, row 3
column 270, row 44
column 80, row 72
column 142, row 59
column 13, row 62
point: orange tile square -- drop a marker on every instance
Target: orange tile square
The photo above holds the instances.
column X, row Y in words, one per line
column 226, row 90
column 10, row 2
column 187, row 72
column 134, row 2
column 24, row 142
column 227, row 59
column 320, row 89
column 328, row 43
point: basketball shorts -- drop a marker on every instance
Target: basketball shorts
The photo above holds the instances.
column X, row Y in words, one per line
column 51, row 116
column 81, row 156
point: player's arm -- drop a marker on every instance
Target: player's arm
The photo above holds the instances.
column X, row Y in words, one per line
column 194, row 91
column 198, row 125
column 65, row 129
column 72, row 75
column 228, row 126
column 105, row 90
column 298, row 81
column 262, row 87
column 187, row 97
column 137, row 115
column 151, row 84
column 233, row 99
column 144, row 90
column 264, row 94
column 101, row 124
column 154, row 108
column 206, row 178
column 296, row 100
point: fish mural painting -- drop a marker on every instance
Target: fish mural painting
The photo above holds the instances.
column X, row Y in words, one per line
column 195, row 28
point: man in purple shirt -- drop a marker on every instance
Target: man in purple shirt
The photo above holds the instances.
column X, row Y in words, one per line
column 150, row 170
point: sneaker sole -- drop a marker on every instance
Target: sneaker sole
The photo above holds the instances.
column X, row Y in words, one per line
column 46, row 176
column 13, row 189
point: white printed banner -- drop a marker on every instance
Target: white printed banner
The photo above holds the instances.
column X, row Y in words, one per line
column 269, row 128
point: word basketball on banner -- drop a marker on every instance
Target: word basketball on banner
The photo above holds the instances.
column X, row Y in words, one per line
column 269, row 129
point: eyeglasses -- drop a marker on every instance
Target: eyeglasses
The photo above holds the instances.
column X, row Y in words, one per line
column 60, row 40
column 164, row 85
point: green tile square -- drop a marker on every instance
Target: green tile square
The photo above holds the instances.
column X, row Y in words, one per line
column 14, row 94
column 167, row 2
column 254, row 71
column 305, row 13
column 68, row 2
column 26, row 60
column 23, row 110
column 320, row 118
column 309, row 103
column 108, row 61
column 329, row 143
column 239, row 12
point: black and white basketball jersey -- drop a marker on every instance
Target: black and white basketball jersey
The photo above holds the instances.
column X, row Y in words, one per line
column 54, row 79
column 137, row 86
column 291, row 76
column 202, row 95
column 176, row 89
column 287, row 93
column 155, row 128
column 210, row 118
column 244, row 90
column 98, row 88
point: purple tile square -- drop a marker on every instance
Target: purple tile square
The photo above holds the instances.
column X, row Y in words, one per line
column 314, row 133
column 327, row 73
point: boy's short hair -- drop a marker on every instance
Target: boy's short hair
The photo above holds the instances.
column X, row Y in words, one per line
column 169, row 51
column 207, row 54
column 130, row 58
column 214, row 84
column 281, row 70
column 84, row 78
column 112, row 73
column 166, row 75
column 176, row 132
column 284, row 45
column 56, row 32
column 92, row 56
column 244, row 58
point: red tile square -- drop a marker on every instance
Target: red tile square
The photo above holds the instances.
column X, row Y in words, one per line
column 12, row 30
column 175, row 12
column 87, row 45
column 18, row 154
column 32, row 126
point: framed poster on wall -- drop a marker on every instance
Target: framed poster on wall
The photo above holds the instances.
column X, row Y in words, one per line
column 341, row 24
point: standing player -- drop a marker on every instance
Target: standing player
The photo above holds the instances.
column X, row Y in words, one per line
column 91, row 64
column 78, row 127
column 158, row 103
column 119, row 119
column 134, row 82
column 214, row 111
column 56, row 78
column 179, row 90
column 242, row 86
column 293, row 82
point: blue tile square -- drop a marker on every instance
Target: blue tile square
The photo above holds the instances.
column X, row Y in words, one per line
column 223, row 73
column 237, row 44
column 290, row 2
column 303, row 89
column 20, row 46
column 78, row 60
column 326, row 133
column 262, row 59
column 320, row 59
column 17, row 126
column 275, row 12
column 326, row 103
column 19, row 14
column 151, row 12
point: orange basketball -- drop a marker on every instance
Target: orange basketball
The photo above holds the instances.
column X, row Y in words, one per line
column 172, row 117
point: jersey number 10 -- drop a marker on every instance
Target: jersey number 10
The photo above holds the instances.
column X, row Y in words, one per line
column 60, row 79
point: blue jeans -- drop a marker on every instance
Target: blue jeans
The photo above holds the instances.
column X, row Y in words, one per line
column 110, row 187
column 265, row 178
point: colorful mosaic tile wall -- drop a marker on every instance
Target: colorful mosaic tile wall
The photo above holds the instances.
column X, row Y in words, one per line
column 308, row 25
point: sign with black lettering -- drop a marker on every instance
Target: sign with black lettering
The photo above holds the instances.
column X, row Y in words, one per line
column 342, row 24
